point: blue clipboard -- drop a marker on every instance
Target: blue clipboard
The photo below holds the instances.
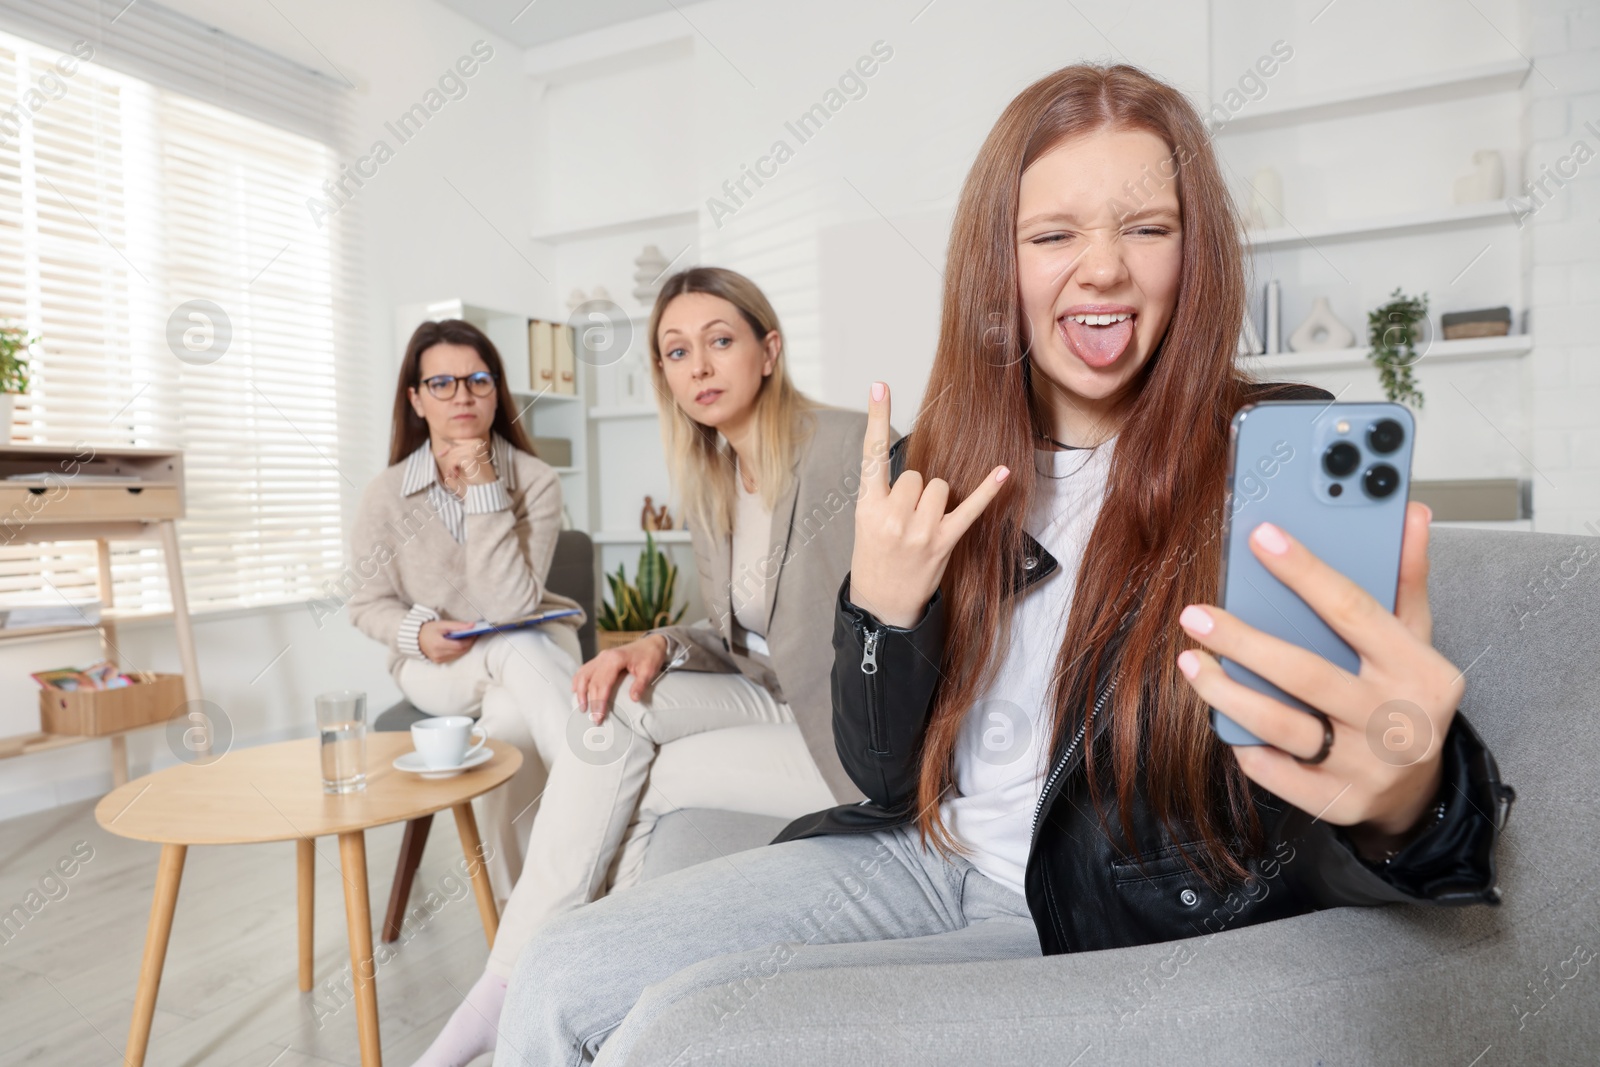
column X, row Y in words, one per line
column 480, row 628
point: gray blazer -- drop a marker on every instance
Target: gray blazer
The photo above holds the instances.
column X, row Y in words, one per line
column 813, row 534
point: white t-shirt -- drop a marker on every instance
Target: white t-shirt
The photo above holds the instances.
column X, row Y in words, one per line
column 1001, row 757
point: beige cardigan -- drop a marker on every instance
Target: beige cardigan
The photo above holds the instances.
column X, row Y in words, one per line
column 404, row 556
column 810, row 543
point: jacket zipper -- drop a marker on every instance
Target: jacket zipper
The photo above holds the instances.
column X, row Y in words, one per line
column 869, row 666
column 1066, row 757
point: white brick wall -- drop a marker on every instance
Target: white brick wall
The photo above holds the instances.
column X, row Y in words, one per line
column 1562, row 265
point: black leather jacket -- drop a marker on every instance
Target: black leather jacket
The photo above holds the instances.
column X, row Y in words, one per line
column 1082, row 891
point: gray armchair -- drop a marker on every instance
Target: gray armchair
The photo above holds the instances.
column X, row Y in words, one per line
column 1468, row 987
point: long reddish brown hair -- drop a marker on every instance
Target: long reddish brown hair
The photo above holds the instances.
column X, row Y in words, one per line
column 1154, row 546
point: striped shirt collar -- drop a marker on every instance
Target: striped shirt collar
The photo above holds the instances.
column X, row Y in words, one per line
column 422, row 471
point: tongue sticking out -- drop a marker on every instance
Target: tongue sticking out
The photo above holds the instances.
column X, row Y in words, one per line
column 1098, row 346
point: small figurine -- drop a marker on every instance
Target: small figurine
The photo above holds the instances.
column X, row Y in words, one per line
column 654, row 519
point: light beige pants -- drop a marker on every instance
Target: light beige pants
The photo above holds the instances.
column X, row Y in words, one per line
column 513, row 683
column 723, row 742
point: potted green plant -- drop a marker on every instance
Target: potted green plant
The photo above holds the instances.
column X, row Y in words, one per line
column 637, row 607
column 1393, row 331
column 15, row 344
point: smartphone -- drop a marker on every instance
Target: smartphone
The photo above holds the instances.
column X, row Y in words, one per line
column 1335, row 476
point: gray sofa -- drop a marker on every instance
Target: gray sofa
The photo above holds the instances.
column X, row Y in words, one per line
column 1473, row 987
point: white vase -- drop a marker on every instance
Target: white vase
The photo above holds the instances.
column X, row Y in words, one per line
column 1321, row 332
column 8, row 411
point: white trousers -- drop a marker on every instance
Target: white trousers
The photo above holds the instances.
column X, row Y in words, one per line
column 697, row 739
column 511, row 682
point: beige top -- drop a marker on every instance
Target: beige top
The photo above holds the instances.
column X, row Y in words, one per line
column 408, row 566
column 748, row 577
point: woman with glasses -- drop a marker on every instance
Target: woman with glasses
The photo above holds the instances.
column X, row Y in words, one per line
column 462, row 527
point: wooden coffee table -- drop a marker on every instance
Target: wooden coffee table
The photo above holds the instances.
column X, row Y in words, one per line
column 274, row 793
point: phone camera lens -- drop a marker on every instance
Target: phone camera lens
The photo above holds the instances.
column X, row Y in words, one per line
column 1385, row 436
column 1380, row 480
column 1341, row 459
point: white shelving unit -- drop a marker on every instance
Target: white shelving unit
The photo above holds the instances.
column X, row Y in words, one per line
column 623, row 458
column 1404, row 92
column 1471, row 350
column 1446, row 218
column 1473, row 423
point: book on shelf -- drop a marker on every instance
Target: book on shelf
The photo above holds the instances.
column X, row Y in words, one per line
column 541, row 356
column 61, row 613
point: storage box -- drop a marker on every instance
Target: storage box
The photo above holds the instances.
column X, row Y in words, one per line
column 94, row 712
column 1483, row 322
column 556, row 451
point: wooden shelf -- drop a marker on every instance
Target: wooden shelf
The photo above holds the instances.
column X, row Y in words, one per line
column 30, row 744
column 636, row 537
column 624, row 411
column 1405, row 92
column 561, row 235
column 1452, row 218
column 1468, row 351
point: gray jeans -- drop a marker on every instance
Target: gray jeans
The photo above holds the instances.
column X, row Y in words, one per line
column 602, row 973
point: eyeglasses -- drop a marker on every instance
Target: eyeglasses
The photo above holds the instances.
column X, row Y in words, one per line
column 443, row 386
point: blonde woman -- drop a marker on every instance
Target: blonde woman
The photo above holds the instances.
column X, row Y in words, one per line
column 768, row 480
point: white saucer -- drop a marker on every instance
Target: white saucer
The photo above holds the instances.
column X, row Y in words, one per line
column 412, row 762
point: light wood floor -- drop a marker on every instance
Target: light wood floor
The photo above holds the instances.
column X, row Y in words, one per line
column 229, row 993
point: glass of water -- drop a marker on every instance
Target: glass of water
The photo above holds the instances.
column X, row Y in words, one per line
column 342, row 721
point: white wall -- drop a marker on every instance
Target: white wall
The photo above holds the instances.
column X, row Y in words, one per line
column 423, row 241
column 1562, row 243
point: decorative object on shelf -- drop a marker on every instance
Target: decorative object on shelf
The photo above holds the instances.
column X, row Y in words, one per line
column 650, row 275
column 575, row 300
column 647, row 605
column 556, row 451
column 1273, row 341
column 653, row 518
column 1393, row 331
column 599, row 292
column 1481, row 322
column 1322, row 331
column 15, row 344
column 1486, row 180
column 1266, row 200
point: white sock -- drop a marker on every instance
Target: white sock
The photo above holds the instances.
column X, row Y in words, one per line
column 470, row 1032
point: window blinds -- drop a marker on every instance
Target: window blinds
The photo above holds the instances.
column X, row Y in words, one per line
column 162, row 248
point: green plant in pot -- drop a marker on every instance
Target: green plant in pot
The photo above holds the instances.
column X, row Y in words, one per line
column 15, row 344
column 1393, row 331
column 635, row 607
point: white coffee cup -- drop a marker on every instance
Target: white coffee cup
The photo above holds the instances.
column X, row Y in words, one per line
column 441, row 740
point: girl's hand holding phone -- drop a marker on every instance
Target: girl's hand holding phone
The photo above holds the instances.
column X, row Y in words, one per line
column 1402, row 678
column 904, row 536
